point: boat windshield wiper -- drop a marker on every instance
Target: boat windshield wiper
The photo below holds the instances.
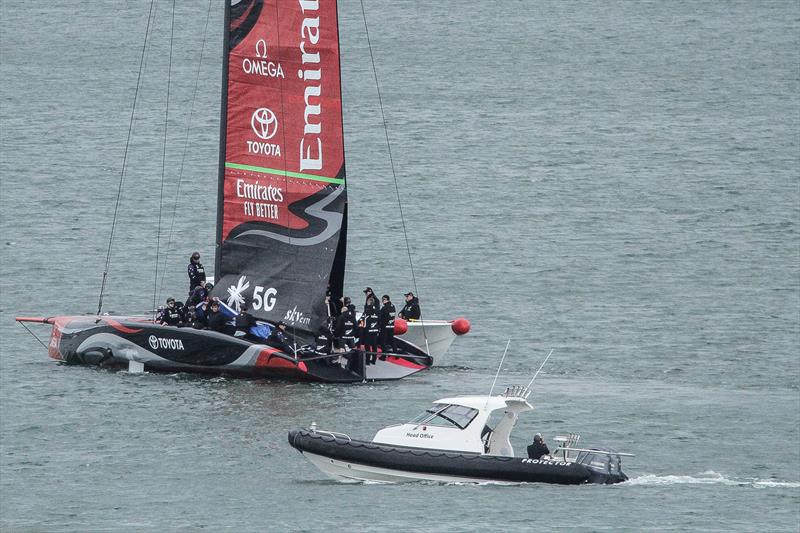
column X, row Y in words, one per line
column 433, row 414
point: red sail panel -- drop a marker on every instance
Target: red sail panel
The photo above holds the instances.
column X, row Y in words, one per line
column 284, row 119
column 283, row 210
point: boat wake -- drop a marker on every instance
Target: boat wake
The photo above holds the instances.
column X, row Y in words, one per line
column 710, row 478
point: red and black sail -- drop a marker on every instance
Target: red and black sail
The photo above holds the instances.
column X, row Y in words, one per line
column 283, row 205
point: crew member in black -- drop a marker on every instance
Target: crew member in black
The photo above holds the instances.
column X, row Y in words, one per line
column 386, row 324
column 197, row 295
column 170, row 316
column 196, row 271
column 369, row 294
column 370, row 330
column 183, row 311
column 279, row 339
column 344, row 301
column 410, row 311
column 216, row 319
column 333, row 308
column 538, row 448
column 345, row 329
column 323, row 344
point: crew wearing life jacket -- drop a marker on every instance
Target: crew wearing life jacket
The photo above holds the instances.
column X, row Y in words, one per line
column 411, row 310
column 346, row 328
column 199, row 293
column 368, row 293
column 170, row 315
column 370, row 330
column 386, row 324
column 196, row 271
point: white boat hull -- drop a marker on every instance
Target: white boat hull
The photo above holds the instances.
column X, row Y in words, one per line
column 432, row 336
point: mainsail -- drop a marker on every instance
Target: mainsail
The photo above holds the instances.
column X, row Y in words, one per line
column 281, row 222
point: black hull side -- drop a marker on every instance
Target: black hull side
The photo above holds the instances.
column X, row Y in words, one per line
column 444, row 463
column 115, row 341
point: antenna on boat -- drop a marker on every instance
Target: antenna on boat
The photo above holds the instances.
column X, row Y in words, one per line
column 499, row 367
column 540, row 369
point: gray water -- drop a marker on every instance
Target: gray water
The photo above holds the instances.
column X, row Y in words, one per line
column 615, row 181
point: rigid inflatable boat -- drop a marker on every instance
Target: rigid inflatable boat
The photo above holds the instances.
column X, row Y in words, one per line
column 457, row 440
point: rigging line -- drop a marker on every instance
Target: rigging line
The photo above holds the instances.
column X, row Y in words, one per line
column 34, row 335
column 391, row 163
column 185, row 148
column 125, row 159
column 163, row 159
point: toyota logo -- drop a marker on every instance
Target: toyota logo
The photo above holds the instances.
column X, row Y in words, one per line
column 264, row 123
column 153, row 342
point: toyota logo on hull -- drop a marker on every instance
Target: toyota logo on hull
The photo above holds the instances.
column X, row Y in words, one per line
column 264, row 123
column 167, row 344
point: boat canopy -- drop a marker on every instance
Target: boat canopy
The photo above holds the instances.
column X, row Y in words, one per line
column 488, row 403
column 460, row 424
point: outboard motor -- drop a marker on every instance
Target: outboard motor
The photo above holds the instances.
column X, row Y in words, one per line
column 603, row 467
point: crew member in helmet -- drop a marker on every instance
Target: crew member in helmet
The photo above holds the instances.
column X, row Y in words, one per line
column 411, row 310
column 386, row 324
column 538, row 448
column 196, row 271
column 170, row 316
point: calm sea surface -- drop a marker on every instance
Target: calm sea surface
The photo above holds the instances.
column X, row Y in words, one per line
column 617, row 181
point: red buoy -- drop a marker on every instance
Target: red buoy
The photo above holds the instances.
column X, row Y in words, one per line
column 401, row 326
column 460, row 326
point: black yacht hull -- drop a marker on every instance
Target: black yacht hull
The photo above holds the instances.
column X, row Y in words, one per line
column 345, row 458
column 118, row 341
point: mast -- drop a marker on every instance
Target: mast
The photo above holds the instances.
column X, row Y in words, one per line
column 336, row 279
column 223, row 128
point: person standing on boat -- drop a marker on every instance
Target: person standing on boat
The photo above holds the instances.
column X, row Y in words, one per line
column 323, row 344
column 196, row 271
column 386, row 324
column 330, row 304
column 411, row 310
column 371, row 330
column 538, row 448
column 369, row 294
column 345, row 329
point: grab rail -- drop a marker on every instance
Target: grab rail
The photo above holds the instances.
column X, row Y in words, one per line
column 605, row 452
column 333, row 434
